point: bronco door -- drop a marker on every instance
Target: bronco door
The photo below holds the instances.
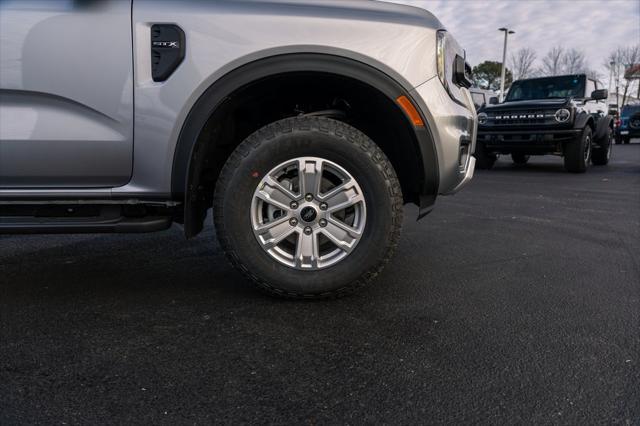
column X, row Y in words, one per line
column 66, row 93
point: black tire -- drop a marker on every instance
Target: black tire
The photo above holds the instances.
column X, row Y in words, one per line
column 484, row 160
column 520, row 159
column 600, row 156
column 619, row 140
column 626, row 139
column 577, row 154
column 308, row 137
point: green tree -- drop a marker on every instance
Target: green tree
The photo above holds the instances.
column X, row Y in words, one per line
column 487, row 75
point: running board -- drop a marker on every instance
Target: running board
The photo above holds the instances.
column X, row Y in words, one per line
column 33, row 225
column 71, row 219
column 52, row 226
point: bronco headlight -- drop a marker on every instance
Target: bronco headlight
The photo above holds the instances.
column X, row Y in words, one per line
column 482, row 118
column 562, row 115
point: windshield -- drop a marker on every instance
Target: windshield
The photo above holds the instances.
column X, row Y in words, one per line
column 569, row 86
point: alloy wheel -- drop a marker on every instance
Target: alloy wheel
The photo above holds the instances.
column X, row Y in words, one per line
column 587, row 149
column 308, row 213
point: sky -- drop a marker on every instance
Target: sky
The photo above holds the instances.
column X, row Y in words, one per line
column 595, row 26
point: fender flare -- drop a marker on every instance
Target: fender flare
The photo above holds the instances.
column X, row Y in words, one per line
column 604, row 123
column 186, row 151
column 582, row 120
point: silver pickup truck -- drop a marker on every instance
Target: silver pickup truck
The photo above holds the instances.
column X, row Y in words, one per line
column 305, row 125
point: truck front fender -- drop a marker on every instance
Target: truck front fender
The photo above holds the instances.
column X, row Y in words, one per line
column 189, row 159
column 602, row 128
column 583, row 119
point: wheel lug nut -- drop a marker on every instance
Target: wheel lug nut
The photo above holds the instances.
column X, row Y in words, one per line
column 323, row 222
column 323, row 206
column 307, row 230
column 308, row 197
column 293, row 205
column 293, row 221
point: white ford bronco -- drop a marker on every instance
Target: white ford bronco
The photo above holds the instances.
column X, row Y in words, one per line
column 304, row 125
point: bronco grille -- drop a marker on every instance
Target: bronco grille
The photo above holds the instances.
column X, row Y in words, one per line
column 521, row 117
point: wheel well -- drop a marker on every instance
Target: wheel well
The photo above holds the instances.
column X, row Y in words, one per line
column 272, row 98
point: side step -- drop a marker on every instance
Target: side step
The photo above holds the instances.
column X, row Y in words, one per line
column 121, row 225
column 80, row 219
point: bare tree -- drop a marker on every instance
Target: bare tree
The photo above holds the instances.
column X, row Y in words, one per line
column 522, row 63
column 592, row 73
column 617, row 63
column 559, row 61
column 552, row 61
column 573, row 62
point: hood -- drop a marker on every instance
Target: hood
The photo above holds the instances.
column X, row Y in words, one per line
column 532, row 104
column 382, row 11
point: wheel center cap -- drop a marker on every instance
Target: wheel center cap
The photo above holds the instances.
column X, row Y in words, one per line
column 308, row 214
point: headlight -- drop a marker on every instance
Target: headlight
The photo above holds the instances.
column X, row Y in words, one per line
column 562, row 115
column 482, row 118
column 441, row 56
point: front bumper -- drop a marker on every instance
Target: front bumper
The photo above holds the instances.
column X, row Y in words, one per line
column 468, row 175
column 453, row 127
column 526, row 140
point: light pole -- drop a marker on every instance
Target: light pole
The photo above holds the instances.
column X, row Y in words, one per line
column 625, row 67
column 504, row 59
column 617, row 85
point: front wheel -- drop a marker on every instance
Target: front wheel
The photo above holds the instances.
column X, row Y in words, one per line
column 520, row 159
column 577, row 154
column 308, row 207
column 602, row 155
column 484, row 159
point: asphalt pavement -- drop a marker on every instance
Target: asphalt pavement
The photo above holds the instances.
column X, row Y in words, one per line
column 515, row 301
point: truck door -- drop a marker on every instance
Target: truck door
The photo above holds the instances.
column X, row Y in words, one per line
column 66, row 93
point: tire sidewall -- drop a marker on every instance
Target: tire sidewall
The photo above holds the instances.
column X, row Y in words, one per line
column 587, row 137
column 574, row 153
column 600, row 156
column 520, row 159
column 609, row 147
column 484, row 160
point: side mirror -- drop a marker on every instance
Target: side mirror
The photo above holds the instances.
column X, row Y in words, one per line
column 598, row 95
column 493, row 100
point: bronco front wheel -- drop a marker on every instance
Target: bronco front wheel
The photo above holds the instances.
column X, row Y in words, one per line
column 308, row 207
column 577, row 154
column 520, row 159
column 484, row 159
column 601, row 155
